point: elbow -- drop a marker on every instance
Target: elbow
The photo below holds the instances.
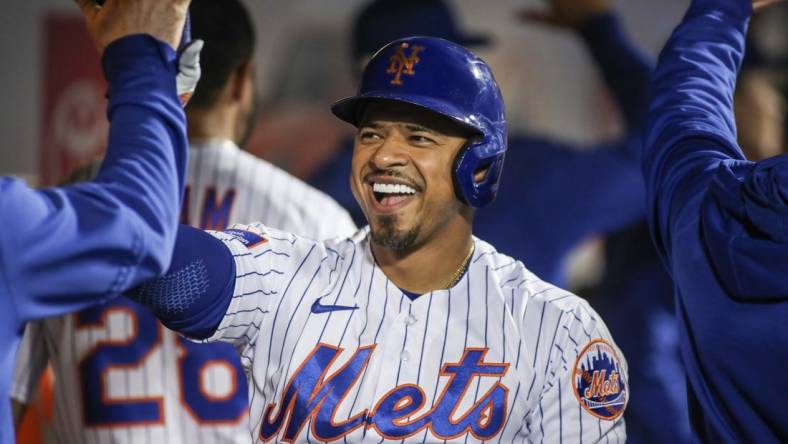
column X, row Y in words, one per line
column 164, row 254
column 158, row 239
column 194, row 294
column 161, row 260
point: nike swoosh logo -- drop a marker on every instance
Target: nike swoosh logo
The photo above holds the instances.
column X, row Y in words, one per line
column 318, row 308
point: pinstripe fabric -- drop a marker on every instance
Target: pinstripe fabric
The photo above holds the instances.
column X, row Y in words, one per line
column 264, row 193
column 499, row 306
column 259, row 194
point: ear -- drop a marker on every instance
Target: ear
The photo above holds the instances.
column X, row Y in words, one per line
column 481, row 173
column 241, row 80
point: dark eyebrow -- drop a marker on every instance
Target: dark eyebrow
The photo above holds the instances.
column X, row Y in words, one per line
column 373, row 125
column 416, row 128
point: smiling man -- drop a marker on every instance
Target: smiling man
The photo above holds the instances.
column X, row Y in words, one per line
column 403, row 185
column 412, row 330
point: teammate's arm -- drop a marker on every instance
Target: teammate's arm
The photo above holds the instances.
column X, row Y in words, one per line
column 606, row 191
column 694, row 168
column 220, row 285
column 62, row 249
column 625, row 69
column 691, row 127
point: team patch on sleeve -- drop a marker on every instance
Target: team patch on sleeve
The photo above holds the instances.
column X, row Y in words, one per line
column 248, row 238
column 598, row 382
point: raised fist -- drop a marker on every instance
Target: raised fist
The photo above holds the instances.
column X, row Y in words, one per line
column 114, row 19
column 566, row 13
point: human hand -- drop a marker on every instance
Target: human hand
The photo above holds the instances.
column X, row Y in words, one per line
column 162, row 19
column 567, row 13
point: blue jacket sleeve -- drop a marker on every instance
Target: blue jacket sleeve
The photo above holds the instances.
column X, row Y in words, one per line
column 626, row 70
column 690, row 126
column 62, row 249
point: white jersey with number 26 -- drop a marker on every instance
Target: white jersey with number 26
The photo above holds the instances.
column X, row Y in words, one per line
column 335, row 351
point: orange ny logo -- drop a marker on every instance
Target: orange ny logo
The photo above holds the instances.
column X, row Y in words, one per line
column 402, row 64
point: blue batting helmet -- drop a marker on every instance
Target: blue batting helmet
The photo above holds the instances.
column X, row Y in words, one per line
column 450, row 80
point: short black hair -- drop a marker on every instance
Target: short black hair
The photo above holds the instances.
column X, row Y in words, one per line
column 228, row 32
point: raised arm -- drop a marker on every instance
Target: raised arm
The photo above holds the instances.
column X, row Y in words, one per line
column 690, row 127
column 62, row 249
column 220, row 285
column 625, row 69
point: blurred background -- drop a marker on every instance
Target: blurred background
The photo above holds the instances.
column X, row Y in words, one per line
column 304, row 63
column 52, row 117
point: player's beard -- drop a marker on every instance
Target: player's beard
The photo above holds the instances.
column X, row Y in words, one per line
column 387, row 235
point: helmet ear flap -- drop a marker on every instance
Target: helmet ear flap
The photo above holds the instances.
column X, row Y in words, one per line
column 468, row 164
column 456, row 169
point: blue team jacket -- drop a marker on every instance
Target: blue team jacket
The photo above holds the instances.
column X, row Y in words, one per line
column 63, row 249
column 720, row 224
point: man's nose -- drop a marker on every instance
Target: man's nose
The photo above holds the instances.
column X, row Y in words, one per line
column 390, row 153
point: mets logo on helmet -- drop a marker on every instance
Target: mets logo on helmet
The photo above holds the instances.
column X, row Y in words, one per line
column 598, row 382
column 402, row 64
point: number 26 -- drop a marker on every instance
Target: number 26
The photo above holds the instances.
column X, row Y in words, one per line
column 132, row 352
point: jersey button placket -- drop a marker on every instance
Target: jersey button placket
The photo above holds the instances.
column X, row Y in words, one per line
column 391, row 351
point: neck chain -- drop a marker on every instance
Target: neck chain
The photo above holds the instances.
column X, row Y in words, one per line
column 455, row 277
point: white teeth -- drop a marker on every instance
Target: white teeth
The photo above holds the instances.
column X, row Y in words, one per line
column 392, row 188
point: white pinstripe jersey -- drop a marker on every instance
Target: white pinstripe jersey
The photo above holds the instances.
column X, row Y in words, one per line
column 335, row 351
column 123, row 378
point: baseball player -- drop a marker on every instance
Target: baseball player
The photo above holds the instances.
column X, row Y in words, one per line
column 122, row 377
column 606, row 191
column 119, row 229
column 718, row 221
column 412, row 330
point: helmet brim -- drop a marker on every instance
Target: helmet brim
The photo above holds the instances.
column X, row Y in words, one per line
column 350, row 109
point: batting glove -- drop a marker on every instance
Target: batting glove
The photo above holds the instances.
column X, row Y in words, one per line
column 188, row 70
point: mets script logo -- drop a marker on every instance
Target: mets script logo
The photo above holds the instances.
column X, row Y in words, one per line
column 402, row 64
column 313, row 396
column 598, row 382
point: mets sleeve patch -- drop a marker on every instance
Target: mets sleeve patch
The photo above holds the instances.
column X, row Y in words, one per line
column 598, row 381
column 248, row 238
